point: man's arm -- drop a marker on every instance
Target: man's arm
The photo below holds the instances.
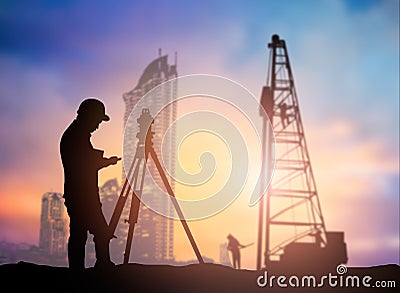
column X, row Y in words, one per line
column 104, row 162
column 242, row 246
column 112, row 160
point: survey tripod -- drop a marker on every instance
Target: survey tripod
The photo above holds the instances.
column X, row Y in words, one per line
column 135, row 185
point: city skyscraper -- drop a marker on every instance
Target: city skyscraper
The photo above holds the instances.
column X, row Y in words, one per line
column 53, row 225
column 153, row 239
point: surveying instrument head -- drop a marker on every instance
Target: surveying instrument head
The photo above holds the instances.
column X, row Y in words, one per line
column 145, row 134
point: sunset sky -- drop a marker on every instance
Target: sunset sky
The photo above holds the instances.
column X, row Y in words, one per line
column 345, row 61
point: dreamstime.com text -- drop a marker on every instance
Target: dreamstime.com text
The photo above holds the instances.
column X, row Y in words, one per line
column 332, row 280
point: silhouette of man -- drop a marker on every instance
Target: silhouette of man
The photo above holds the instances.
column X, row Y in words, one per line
column 81, row 163
column 283, row 109
column 234, row 246
column 283, row 113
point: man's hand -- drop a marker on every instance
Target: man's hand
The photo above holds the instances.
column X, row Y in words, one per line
column 113, row 160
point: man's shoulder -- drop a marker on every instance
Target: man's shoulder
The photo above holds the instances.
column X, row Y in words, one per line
column 73, row 131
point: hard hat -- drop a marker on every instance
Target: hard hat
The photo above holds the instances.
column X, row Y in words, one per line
column 94, row 108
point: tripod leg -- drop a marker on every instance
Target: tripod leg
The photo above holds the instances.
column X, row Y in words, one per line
column 132, row 221
column 176, row 205
column 121, row 202
column 135, row 203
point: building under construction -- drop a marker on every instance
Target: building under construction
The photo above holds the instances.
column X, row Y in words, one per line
column 291, row 228
column 153, row 239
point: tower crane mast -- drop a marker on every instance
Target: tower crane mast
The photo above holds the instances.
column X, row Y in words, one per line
column 292, row 230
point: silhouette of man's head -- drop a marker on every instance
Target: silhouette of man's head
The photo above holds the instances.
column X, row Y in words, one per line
column 92, row 111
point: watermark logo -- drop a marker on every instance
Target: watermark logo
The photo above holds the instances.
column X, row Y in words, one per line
column 208, row 135
column 330, row 280
column 341, row 269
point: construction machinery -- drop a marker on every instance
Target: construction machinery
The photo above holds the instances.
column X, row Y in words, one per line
column 291, row 228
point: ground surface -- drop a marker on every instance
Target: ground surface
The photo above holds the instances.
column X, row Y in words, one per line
column 29, row 277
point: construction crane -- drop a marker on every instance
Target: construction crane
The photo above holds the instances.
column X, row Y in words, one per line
column 294, row 233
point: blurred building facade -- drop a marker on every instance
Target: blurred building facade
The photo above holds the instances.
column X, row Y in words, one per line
column 53, row 236
column 153, row 239
column 53, row 225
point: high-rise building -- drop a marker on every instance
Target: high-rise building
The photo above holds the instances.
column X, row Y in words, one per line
column 154, row 234
column 53, row 225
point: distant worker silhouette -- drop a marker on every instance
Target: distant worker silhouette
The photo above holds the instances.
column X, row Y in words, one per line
column 283, row 114
column 283, row 109
column 234, row 246
column 81, row 163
